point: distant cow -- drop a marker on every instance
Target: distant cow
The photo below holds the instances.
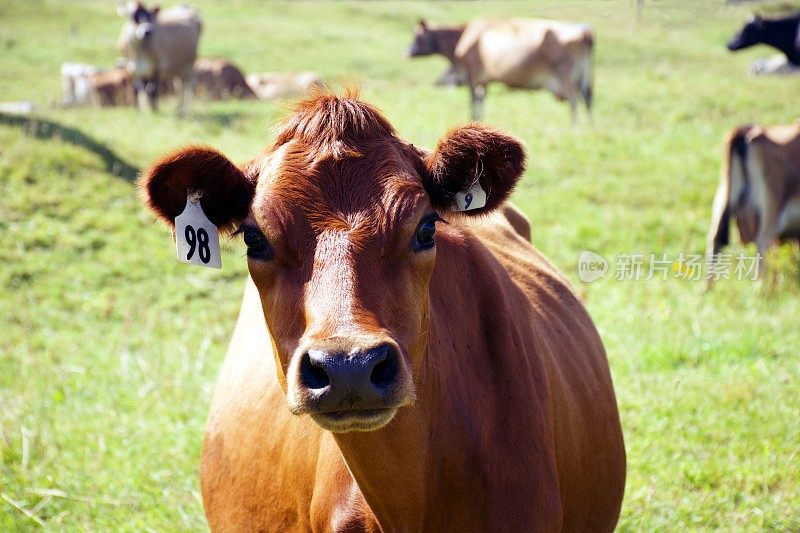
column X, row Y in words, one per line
column 775, row 65
column 112, row 88
column 160, row 46
column 218, row 79
column 783, row 34
column 76, row 85
column 439, row 39
column 21, row 107
column 275, row 85
column 759, row 186
column 522, row 53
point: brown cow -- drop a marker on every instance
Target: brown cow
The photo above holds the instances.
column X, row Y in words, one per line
column 392, row 371
column 759, row 186
column 112, row 88
column 218, row 79
column 521, row 53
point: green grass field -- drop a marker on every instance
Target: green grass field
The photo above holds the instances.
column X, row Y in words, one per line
column 109, row 348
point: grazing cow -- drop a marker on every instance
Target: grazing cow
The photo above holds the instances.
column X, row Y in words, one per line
column 391, row 371
column 783, row 34
column 112, row 88
column 160, row 46
column 218, row 79
column 522, row 53
column 759, row 186
column 275, row 85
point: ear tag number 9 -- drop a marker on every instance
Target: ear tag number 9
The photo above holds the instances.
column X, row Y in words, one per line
column 474, row 198
column 196, row 237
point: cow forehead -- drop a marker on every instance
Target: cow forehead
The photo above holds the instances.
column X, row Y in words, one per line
column 372, row 192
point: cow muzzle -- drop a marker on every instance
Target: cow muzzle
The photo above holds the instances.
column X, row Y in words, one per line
column 735, row 44
column 144, row 31
column 345, row 387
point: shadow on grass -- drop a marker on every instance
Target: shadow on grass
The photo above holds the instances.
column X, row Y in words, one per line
column 47, row 129
column 218, row 117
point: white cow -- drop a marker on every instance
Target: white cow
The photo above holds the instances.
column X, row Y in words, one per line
column 777, row 64
column 76, row 83
column 276, row 85
column 160, row 46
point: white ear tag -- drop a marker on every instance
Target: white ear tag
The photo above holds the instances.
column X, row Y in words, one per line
column 474, row 198
column 196, row 237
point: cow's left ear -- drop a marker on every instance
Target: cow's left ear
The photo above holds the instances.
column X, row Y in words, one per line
column 470, row 161
column 225, row 189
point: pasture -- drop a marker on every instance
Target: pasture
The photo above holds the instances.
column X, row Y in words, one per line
column 109, row 348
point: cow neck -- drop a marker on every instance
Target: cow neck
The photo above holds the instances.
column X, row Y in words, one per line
column 782, row 34
column 391, row 465
column 431, row 448
column 446, row 41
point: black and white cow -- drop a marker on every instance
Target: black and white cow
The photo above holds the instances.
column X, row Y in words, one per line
column 781, row 33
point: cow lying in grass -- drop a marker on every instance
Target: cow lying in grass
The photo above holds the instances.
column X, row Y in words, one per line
column 775, row 65
column 218, row 79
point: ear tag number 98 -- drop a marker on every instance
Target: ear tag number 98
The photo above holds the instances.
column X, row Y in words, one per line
column 196, row 237
column 192, row 237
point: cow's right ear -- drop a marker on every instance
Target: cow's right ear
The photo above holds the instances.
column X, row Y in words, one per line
column 226, row 190
column 422, row 24
column 126, row 9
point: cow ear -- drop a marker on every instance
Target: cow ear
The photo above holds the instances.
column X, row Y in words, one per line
column 422, row 24
column 471, row 156
column 155, row 11
column 126, row 9
column 226, row 190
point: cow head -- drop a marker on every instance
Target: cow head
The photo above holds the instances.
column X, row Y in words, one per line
column 425, row 42
column 142, row 19
column 749, row 35
column 339, row 217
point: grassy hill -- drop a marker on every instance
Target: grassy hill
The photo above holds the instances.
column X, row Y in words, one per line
column 109, row 348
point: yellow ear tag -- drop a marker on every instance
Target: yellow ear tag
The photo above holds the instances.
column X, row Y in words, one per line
column 196, row 237
column 474, row 198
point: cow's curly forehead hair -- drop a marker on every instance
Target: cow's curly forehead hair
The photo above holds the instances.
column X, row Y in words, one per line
column 337, row 163
column 332, row 126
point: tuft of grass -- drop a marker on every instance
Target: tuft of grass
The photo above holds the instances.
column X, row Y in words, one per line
column 109, row 348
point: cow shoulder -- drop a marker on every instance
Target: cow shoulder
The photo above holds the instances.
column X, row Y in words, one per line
column 470, row 40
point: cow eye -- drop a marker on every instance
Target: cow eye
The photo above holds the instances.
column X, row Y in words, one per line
column 257, row 245
column 425, row 233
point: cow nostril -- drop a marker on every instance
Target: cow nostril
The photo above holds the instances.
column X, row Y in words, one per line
column 312, row 375
column 384, row 373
